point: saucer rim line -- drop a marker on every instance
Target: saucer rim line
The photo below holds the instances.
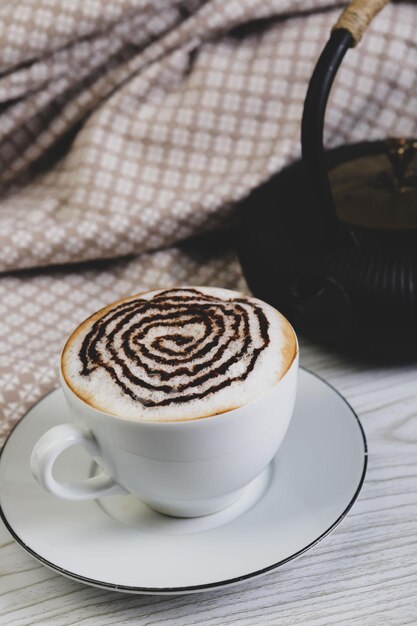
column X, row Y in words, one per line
column 206, row 586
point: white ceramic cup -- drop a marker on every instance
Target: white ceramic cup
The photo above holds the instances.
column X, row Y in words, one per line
column 181, row 468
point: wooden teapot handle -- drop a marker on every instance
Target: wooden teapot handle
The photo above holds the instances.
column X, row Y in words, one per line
column 358, row 15
column 345, row 34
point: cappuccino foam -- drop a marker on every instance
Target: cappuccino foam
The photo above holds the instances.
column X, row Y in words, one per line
column 178, row 354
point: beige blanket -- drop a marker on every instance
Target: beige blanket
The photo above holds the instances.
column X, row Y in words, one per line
column 126, row 127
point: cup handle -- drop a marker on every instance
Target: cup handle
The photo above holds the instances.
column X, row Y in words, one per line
column 48, row 448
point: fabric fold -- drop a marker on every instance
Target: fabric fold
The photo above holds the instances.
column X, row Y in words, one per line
column 128, row 127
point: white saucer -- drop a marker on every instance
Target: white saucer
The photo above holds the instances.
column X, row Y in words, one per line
column 118, row 543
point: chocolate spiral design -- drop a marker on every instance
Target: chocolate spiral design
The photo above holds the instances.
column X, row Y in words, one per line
column 179, row 346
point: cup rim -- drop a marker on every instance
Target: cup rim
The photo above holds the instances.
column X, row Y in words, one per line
column 232, row 411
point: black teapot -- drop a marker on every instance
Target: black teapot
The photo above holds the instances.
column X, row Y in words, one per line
column 331, row 240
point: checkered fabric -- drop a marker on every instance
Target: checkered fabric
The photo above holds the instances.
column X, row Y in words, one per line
column 126, row 127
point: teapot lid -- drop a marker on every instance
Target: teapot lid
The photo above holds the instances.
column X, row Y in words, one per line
column 378, row 190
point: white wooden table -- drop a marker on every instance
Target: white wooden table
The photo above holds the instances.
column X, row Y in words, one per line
column 364, row 573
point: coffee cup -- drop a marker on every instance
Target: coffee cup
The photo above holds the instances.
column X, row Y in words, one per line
column 184, row 467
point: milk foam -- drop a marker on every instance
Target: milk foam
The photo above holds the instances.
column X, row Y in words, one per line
column 178, row 354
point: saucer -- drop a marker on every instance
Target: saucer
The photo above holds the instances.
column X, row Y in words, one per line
column 118, row 543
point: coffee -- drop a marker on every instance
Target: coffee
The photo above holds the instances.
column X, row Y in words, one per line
column 178, row 354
